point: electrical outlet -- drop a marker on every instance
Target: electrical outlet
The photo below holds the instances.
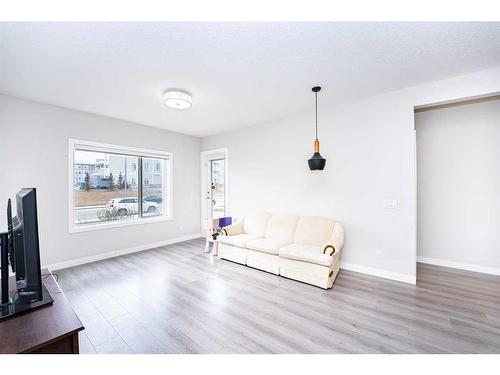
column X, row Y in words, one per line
column 390, row 204
column 378, row 253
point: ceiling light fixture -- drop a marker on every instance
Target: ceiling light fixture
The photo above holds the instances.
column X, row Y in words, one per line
column 177, row 99
column 317, row 162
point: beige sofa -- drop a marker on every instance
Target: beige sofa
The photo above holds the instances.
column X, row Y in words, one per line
column 301, row 248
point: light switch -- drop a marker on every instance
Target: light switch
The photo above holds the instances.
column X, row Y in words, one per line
column 390, row 204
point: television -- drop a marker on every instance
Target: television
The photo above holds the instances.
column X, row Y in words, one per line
column 20, row 248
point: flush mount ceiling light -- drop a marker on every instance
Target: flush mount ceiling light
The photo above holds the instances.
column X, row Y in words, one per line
column 177, row 99
column 317, row 162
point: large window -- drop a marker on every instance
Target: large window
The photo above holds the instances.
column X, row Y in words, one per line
column 113, row 185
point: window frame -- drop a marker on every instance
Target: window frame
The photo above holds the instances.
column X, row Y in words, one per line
column 129, row 151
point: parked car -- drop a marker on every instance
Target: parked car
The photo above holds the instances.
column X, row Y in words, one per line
column 153, row 198
column 128, row 206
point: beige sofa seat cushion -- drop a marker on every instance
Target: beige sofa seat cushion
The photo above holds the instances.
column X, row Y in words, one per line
column 233, row 253
column 266, row 245
column 256, row 224
column 281, row 227
column 306, row 253
column 239, row 240
column 313, row 231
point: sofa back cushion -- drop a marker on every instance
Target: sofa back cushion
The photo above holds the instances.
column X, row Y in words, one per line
column 256, row 224
column 313, row 230
column 281, row 227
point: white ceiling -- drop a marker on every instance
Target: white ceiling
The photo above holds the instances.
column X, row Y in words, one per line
column 239, row 74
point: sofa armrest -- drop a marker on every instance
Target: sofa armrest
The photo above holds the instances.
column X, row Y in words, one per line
column 333, row 246
column 235, row 228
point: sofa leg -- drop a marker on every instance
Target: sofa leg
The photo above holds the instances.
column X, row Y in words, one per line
column 332, row 276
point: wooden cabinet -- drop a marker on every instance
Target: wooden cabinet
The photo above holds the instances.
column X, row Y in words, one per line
column 50, row 329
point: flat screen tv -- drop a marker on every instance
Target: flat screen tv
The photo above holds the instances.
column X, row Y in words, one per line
column 26, row 247
column 20, row 248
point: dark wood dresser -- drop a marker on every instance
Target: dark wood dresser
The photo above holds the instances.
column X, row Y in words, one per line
column 50, row 329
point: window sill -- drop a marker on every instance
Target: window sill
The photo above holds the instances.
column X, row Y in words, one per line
column 125, row 223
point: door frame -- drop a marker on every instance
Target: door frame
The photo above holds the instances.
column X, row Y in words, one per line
column 432, row 106
column 205, row 156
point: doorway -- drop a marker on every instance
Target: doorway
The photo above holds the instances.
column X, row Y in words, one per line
column 458, row 185
column 214, row 178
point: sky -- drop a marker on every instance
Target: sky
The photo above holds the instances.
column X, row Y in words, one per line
column 88, row 156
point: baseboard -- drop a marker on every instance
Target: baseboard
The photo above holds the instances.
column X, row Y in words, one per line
column 409, row 279
column 112, row 254
column 460, row 266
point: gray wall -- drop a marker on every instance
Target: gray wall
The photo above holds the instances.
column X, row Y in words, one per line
column 458, row 152
column 369, row 152
column 34, row 153
column 369, row 145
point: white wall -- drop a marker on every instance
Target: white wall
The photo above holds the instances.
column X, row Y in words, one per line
column 34, row 153
column 458, row 152
column 370, row 149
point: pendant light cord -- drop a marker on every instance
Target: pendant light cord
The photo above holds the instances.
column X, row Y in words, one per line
column 316, row 95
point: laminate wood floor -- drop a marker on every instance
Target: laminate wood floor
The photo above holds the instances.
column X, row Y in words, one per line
column 177, row 299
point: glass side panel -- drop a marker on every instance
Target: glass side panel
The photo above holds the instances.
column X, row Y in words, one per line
column 153, row 187
column 218, row 188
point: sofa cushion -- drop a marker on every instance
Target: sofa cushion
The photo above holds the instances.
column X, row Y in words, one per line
column 266, row 245
column 233, row 253
column 306, row 253
column 239, row 240
column 256, row 224
column 281, row 227
column 313, row 231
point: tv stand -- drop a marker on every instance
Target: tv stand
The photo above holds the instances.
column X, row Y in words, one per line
column 50, row 329
column 19, row 305
column 20, row 302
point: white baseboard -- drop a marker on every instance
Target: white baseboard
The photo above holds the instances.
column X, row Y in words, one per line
column 460, row 266
column 409, row 279
column 112, row 254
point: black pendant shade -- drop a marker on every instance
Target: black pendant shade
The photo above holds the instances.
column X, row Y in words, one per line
column 316, row 162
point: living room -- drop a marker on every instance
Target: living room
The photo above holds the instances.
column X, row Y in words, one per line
column 297, row 187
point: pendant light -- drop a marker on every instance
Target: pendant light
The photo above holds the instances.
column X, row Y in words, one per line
column 317, row 162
